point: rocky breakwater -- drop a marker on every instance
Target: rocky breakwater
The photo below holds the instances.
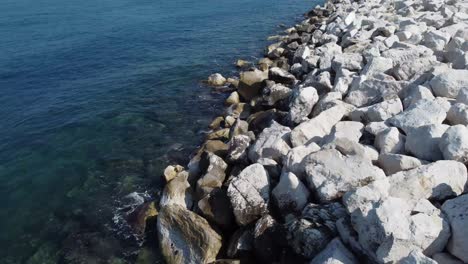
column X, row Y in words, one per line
column 348, row 143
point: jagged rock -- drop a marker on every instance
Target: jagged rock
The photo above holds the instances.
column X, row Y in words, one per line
column 437, row 181
column 185, row 237
column 435, row 39
column 423, row 112
column 240, row 243
column 364, row 92
column 350, row 61
column 410, row 70
column 454, row 143
column 445, row 258
column 249, row 194
column 281, row 76
column 310, row 234
column 331, row 173
column 423, row 142
column 272, row 143
column 374, row 128
column 390, row 141
column 377, row 65
column 458, row 114
column 251, row 83
column 216, row 147
column 393, row 163
column 216, row 79
column 348, row 147
column 293, row 161
column 290, row 195
column 377, row 112
column 214, row 176
column 233, row 98
column 417, row 93
column 240, row 110
column 343, row 79
column 301, row 54
column 274, row 93
column 346, row 129
column 326, row 102
column 315, row 129
column 335, row 253
column 302, row 104
column 238, row 146
column 267, row 239
column 216, row 207
column 416, row 257
column 457, row 214
column 239, row 127
column 177, row 192
column 449, row 83
column 171, row 172
column 407, row 52
column 321, row 81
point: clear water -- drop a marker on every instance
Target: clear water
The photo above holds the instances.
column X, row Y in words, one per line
column 96, row 97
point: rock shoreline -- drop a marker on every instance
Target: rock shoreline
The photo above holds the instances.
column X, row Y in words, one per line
column 347, row 143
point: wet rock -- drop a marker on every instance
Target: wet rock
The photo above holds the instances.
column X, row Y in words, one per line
column 449, row 83
column 335, row 253
column 390, row 140
column 240, row 110
column 249, row 194
column 185, row 237
column 457, row 214
column 216, row 147
column 171, row 172
column 315, row 129
column 437, row 181
column 423, row 142
column 454, row 143
column 393, row 163
column 251, row 83
column 458, row 114
column 137, row 218
column 214, row 175
column 290, row 194
column 216, row 79
column 331, row 173
column 218, row 134
column 423, row 112
column 272, row 143
column 233, row 98
column 240, row 127
column 302, row 104
column 310, row 234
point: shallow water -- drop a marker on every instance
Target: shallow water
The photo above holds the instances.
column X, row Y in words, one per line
column 96, row 97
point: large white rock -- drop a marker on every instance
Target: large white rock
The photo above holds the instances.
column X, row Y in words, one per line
column 272, row 143
column 423, row 112
column 390, row 141
column 454, row 143
column 216, row 79
column 423, row 142
column 393, row 163
column 458, row 114
column 290, row 195
column 377, row 65
column 349, row 61
column 335, row 253
column 417, row 93
column 449, row 83
column 326, row 102
column 330, row 174
column 275, row 92
column 293, row 161
column 302, row 104
column 456, row 211
column 315, row 129
column 350, row 130
column 249, row 194
column 438, row 181
column 377, row 112
column 435, row 39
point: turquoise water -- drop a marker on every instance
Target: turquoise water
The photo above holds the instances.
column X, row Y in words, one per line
column 96, row 98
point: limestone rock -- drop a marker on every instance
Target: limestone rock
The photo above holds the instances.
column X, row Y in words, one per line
column 290, row 195
column 377, row 112
column 331, row 173
column 458, row 114
column 275, row 93
column 171, row 172
column 416, row 257
column 390, row 141
column 281, row 76
column 216, row 79
column 457, row 214
column 238, row 146
column 449, row 83
column 445, row 258
column 393, row 163
column 233, row 98
column 272, row 143
column 177, row 192
column 249, row 194
column 251, row 83
column 214, row 176
column 302, row 104
column 335, row 253
column 364, row 92
column 423, row 142
column 293, row 161
column 454, row 143
column 185, row 237
column 417, row 93
column 350, row 130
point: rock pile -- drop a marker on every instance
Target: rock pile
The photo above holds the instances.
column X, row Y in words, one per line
column 347, row 144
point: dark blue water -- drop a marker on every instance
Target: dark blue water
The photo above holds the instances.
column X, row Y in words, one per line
column 96, row 97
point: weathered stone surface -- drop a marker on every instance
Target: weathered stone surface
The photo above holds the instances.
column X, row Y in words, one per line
column 374, row 128
column 377, row 65
column 423, row 142
column 335, row 253
column 290, row 194
column 177, row 192
column 275, row 92
column 214, row 176
column 272, row 143
column 417, row 93
column 348, row 147
column 423, row 112
column 171, row 172
column 390, row 140
column 416, row 257
column 233, row 98
column 350, row 61
column 216, row 79
column 238, row 146
column 331, row 173
column 458, row 114
column 377, row 112
column 457, row 214
column 310, row 234
column 350, row 130
column 281, row 76
column 368, row 91
column 393, row 163
column 249, row 194
column 293, row 161
column 326, row 102
column 251, row 83
column 437, row 181
column 454, row 143
column 315, row 129
column 449, row 83
column 302, row 104
column 185, row 237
